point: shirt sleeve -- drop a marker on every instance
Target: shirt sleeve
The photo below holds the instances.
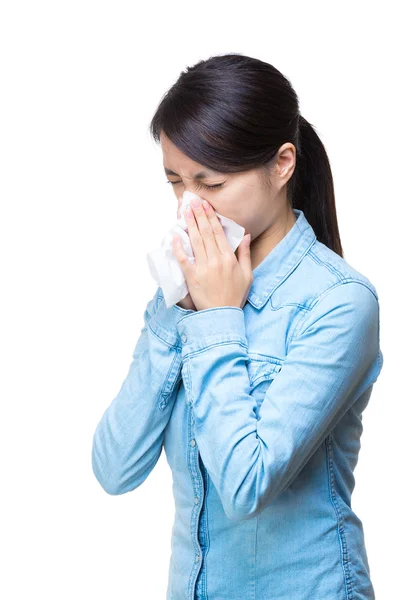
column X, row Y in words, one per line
column 128, row 439
column 331, row 361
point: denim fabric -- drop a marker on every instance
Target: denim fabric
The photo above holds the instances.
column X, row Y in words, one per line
column 259, row 411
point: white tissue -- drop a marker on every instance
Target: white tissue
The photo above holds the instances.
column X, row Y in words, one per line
column 164, row 266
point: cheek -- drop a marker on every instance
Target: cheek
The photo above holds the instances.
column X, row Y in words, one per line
column 250, row 218
column 228, row 204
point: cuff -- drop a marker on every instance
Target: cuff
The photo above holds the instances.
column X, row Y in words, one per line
column 211, row 326
column 164, row 321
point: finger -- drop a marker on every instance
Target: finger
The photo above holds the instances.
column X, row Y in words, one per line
column 218, row 231
column 182, row 257
column 206, row 232
column 244, row 256
column 196, row 239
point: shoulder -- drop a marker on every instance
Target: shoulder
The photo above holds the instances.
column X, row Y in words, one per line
column 339, row 296
column 322, row 273
column 329, row 260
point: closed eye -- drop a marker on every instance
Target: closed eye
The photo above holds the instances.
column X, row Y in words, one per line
column 209, row 187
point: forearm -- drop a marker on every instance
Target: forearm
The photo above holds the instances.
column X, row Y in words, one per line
column 128, row 439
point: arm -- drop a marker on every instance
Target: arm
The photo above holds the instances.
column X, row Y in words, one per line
column 128, row 439
column 333, row 359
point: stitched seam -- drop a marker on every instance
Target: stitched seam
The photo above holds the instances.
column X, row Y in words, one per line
column 191, row 587
column 153, row 331
column 264, row 358
column 326, row 264
column 166, row 395
column 352, row 280
column 380, row 356
column 190, row 380
column 340, row 520
column 206, row 534
column 299, row 322
column 199, row 351
column 323, row 293
column 205, row 510
column 275, row 308
column 261, row 374
column 212, row 309
column 255, row 559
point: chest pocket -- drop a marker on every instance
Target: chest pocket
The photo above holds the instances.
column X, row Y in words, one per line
column 262, row 370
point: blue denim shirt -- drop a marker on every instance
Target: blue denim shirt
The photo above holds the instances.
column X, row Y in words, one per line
column 259, row 411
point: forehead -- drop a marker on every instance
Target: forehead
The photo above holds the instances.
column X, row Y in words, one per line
column 175, row 162
column 172, row 154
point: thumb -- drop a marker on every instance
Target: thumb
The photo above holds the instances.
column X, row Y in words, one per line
column 244, row 256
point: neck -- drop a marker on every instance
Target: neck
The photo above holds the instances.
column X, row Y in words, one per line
column 269, row 238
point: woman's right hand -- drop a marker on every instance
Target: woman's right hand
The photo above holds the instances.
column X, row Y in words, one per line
column 187, row 302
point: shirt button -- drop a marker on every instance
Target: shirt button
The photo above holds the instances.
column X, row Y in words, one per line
column 192, row 443
column 183, row 337
column 197, row 558
column 196, row 500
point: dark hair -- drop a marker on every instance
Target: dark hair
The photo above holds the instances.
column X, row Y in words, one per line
column 232, row 113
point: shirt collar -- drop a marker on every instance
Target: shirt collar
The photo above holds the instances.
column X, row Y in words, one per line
column 282, row 260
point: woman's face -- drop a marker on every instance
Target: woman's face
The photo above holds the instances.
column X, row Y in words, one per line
column 243, row 197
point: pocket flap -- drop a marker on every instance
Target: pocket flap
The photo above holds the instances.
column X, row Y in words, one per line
column 262, row 366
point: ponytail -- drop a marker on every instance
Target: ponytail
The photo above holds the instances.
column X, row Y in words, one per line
column 311, row 189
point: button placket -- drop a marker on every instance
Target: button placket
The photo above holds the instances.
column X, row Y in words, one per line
column 198, row 490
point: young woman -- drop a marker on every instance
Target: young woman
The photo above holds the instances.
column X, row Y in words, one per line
column 255, row 383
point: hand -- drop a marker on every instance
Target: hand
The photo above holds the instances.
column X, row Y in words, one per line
column 186, row 302
column 217, row 277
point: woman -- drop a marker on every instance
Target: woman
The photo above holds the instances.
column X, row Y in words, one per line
column 255, row 383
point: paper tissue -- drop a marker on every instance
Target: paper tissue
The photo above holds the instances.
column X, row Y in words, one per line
column 164, row 266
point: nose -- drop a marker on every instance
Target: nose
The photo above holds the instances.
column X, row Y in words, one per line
column 180, row 199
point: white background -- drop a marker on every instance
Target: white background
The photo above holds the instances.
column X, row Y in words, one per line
column 83, row 199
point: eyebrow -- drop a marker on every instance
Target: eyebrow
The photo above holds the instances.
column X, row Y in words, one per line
column 199, row 175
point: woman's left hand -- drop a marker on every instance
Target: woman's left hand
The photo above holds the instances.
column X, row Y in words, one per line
column 217, row 277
